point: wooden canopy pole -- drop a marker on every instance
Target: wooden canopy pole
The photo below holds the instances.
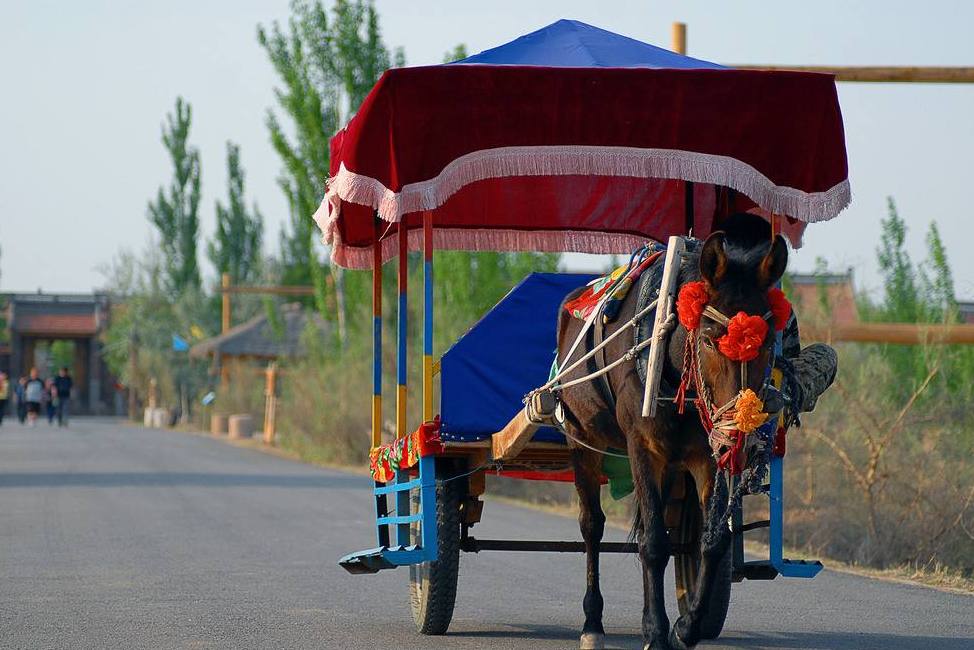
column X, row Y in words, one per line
column 881, row 74
column 678, row 38
column 853, row 73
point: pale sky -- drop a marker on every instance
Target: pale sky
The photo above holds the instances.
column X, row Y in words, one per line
column 85, row 87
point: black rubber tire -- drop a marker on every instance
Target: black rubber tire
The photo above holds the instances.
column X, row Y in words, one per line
column 433, row 585
column 687, row 565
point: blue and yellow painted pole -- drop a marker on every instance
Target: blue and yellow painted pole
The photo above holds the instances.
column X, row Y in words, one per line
column 381, row 503
column 377, row 337
column 402, row 497
column 401, row 331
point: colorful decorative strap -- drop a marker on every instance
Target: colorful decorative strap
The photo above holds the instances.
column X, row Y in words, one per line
column 403, row 453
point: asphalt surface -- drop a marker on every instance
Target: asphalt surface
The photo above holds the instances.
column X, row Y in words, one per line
column 113, row 536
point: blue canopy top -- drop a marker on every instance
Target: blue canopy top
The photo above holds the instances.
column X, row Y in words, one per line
column 574, row 44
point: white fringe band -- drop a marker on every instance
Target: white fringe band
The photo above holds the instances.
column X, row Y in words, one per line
column 563, row 161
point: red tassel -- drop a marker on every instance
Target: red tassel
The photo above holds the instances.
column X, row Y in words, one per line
column 731, row 459
column 778, row 449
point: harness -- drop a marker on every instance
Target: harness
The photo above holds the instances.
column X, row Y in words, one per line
column 727, row 425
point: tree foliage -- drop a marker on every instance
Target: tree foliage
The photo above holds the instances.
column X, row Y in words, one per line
column 922, row 293
column 175, row 210
column 326, row 67
column 236, row 244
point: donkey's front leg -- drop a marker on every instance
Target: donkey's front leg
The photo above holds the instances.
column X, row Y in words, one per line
column 591, row 520
column 654, row 545
column 714, row 546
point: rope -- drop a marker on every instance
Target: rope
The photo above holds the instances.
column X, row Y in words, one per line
column 604, row 452
column 607, row 292
column 630, row 323
column 480, row 467
column 630, row 354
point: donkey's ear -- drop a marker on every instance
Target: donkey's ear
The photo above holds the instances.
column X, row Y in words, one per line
column 713, row 259
column 772, row 267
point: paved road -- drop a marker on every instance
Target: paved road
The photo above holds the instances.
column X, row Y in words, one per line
column 118, row 537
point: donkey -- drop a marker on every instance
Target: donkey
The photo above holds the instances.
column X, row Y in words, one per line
column 737, row 265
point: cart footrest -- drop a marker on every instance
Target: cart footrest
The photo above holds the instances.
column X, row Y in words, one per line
column 799, row 568
column 374, row 560
column 765, row 570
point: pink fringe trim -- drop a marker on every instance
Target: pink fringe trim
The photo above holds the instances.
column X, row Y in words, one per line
column 541, row 241
column 560, row 161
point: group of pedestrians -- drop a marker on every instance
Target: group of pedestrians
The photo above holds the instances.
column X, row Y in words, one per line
column 35, row 397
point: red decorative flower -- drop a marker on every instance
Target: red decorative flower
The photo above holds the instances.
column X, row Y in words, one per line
column 744, row 337
column 690, row 303
column 780, row 308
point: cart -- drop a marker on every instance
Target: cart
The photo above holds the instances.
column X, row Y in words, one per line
column 570, row 138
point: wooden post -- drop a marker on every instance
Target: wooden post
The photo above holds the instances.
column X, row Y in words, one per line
column 225, row 320
column 224, row 371
column 880, row 74
column 427, row 316
column 678, row 37
column 270, row 403
column 667, row 298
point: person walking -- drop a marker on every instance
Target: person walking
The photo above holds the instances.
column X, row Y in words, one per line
column 20, row 392
column 4, row 394
column 49, row 401
column 33, row 394
column 62, row 386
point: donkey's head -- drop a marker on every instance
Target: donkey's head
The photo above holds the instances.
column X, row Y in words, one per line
column 733, row 312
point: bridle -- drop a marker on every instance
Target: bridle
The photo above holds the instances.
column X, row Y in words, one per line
column 727, row 425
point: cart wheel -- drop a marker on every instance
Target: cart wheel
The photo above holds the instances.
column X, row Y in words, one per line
column 433, row 585
column 687, row 533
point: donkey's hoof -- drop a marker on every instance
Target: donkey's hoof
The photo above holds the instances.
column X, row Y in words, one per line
column 676, row 642
column 592, row 641
column 658, row 643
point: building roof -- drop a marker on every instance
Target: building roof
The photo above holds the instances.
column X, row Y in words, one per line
column 57, row 324
column 256, row 338
column 56, row 315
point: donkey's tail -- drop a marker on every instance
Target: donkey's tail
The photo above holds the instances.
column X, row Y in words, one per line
column 637, row 525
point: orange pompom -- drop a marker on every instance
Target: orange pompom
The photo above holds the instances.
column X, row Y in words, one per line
column 744, row 337
column 780, row 308
column 749, row 411
column 690, row 303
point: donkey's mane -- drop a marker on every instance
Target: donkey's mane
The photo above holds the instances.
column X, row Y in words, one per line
column 747, row 240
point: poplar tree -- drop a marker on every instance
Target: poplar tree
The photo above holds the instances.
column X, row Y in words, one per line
column 326, row 67
column 235, row 247
column 175, row 210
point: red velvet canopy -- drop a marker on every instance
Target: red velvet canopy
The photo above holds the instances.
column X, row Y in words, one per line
column 580, row 159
